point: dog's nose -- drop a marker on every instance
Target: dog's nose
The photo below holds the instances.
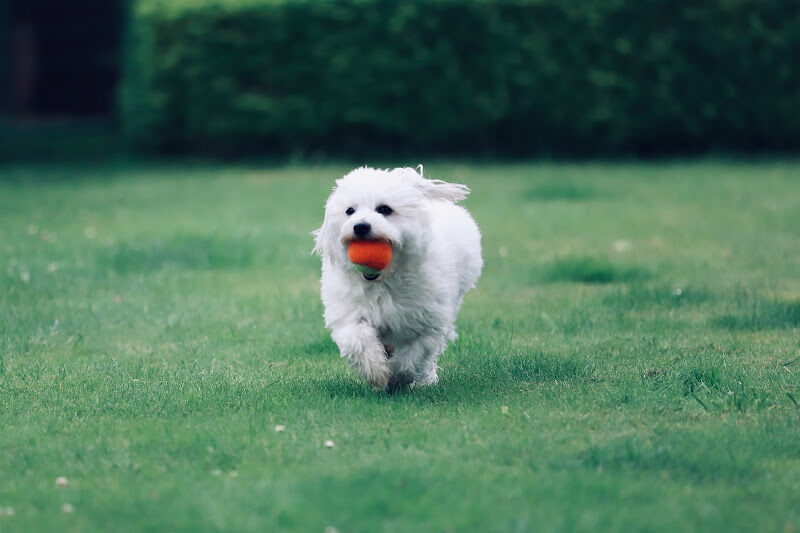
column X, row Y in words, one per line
column 362, row 229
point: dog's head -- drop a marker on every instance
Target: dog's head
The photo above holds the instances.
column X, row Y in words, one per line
column 387, row 205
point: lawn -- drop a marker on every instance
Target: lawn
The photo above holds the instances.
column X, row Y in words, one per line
column 630, row 359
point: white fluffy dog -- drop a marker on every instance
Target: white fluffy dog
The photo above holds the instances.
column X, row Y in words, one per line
column 393, row 326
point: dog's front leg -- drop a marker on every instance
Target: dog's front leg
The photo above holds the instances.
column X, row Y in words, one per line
column 359, row 344
column 415, row 363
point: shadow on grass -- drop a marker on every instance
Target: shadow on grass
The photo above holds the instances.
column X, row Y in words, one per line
column 561, row 191
column 469, row 381
column 761, row 313
column 184, row 252
column 591, row 270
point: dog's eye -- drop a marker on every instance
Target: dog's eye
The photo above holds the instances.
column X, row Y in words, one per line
column 350, row 211
column 384, row 210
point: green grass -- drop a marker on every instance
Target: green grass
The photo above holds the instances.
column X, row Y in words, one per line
column 629, row 360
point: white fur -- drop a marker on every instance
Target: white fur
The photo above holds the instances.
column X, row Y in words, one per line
column 392, row 330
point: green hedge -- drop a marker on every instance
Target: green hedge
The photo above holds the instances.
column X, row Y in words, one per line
column 236, row 77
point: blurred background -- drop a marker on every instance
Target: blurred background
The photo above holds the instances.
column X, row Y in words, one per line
column 498, row 78
column 59, row 75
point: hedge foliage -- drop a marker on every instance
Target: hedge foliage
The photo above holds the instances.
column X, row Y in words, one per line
column 234, row 77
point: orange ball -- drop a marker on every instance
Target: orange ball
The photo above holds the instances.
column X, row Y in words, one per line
column 373, row 254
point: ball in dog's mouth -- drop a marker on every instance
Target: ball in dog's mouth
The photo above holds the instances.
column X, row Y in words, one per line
column 369, row 257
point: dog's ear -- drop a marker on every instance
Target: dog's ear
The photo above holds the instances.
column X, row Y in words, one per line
column 325, row 235
column 442, row 190
column 324, row 238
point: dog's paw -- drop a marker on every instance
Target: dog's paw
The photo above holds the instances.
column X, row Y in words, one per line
column 376, row 373
column 359, row 344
